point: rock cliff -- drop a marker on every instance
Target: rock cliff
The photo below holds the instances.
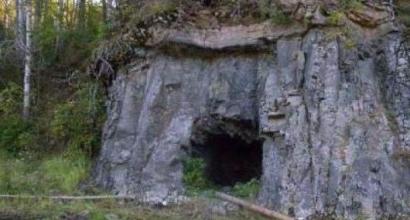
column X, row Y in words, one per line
column 325, row 122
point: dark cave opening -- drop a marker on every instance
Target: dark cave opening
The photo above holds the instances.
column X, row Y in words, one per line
column 229, row 159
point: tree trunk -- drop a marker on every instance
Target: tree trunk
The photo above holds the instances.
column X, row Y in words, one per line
column 6, row 14
column 27, row 63
column 81, row 19
column 110, row 10
column 38, row 7
column 252, row 207
column 60, row 21
column 104, row 10
column 20, row 27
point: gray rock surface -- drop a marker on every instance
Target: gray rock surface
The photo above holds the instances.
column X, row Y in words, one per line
column 334, row 120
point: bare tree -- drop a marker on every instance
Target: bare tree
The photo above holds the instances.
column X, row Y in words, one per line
column 27, row 62
column 20, row 26
column 60, row 22
column 81, row 14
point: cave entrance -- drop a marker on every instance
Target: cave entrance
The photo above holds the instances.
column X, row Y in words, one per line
column 233, row 154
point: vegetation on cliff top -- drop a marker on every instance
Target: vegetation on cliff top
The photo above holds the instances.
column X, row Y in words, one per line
column 51, row 151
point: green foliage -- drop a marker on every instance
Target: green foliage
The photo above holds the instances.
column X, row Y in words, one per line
column 249, row 189
column 62, row 47
column 268, row 10
column 148, row 10
column 56, row 174
column 194, row 175
column 9, row 97
column 403, row 12
column 193, row 209
column 76, row 122
column 64, row 174
column 159, row 7
column 335, row 18
column 392, row 120
column 350, row 4
column 16, row 135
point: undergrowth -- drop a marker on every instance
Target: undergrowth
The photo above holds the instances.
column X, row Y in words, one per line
column 249, row 189
column 194, row 177
column 270, row 11
column 195, row 209
column 53, row 175
column 350, row 4
column 197, row 183
column 71, row 139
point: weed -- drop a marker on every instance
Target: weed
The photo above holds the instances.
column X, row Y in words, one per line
column 64, row 174
column 56, row 174
column 335, row 18
column 392, row 121
column 194, row 175
column 351, row 4
column 74, row 123
column 16, row 135
column 249, row 189
column 267, row 10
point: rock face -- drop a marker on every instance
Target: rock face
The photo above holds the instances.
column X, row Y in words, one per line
column 333, row 121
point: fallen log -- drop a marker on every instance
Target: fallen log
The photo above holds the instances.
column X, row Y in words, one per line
column 103, row 197
column 253, row 207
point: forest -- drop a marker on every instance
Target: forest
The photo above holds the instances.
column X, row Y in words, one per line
column 67, row 68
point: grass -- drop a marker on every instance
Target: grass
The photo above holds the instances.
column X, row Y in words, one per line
column 197, row 208
column 194, row 177
column 249, row 189
column 62, row 175
column 335, row 18
column 150, row 9
column 65, row 174
column 351, row 4
column 54, row 175
column 403, row 10
column 267, row 10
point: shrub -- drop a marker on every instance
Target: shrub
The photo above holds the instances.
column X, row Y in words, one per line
column 350, row 4
column 9, row 99
column 249, row 189
column 335, row 17
column 76, row 122
column 194, row 175
column 16, row 135
column 268, row 10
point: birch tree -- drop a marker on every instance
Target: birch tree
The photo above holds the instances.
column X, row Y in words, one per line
column 27, row 62
column 20, row 26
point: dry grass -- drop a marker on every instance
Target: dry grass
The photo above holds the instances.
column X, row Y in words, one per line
column 110, row 209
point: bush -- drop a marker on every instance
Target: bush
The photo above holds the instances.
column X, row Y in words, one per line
column 76, row 123
column 247, row 190
column 335, row 18
column 350, row 4
column 268, row 10
column 194, row 175
column 9, row 99
column 16, row 135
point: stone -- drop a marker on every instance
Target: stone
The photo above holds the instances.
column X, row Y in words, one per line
column 334, row 155
column 368, row 17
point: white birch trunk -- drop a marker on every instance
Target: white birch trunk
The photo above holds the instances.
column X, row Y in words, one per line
column 27, row 64
column 20, row 13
